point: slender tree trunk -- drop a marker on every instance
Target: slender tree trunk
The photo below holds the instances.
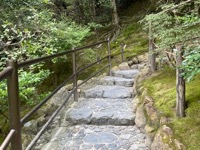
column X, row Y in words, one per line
column 152, row 55
column 180, row 84
column 93, row 10
column 115, row 14
column 80, row 12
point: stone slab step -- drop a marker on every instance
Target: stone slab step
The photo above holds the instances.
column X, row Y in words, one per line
column 109, row 80
column 100, row 111
column 102, row 91
column 130, row 74
column 90, row 137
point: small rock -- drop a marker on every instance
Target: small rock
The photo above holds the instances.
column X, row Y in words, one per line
column 145, row 71
column 31, row 127
column 134, row 147
column 79, row 82
column 86, row 146
column 51, row 145
column 140, row 119
column 124, row 66
column 134, row 66
column 143, row 58
column 48, row 109
column 40, row 121
column 149, row 131
column 135, row 60
column 69, row 87
column 98, row 146
column 130, row 63
column 27, row 138
column 112, row 146
column 115, row 68
column 164, row 139
column 126, row 136
column 151, row 111
column 141, row 66
column 58, row 98
column 163, row 120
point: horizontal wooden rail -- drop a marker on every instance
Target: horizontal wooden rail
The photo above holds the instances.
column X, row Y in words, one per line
column 8, row 139
column 41, row 59
column 5, row 73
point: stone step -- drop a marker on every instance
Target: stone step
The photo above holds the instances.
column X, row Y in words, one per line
column 109, row 80
column 90, row 137
column 101, row 111
column 130, row 74
column 102, row 91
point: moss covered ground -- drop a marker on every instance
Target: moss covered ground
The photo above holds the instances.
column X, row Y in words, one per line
column 162, row 88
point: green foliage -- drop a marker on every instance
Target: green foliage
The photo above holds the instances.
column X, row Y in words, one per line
column 90, row 11
column 191, row 63
column 90, row 55
column 177, row 26
column 28, row 81
column 30, row 30
column 130, row 29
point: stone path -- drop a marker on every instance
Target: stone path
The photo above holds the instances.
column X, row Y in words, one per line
column 103, row 119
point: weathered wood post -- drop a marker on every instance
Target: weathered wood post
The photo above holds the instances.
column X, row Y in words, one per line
column 122, row 51
column 75, row 87
column 109, row 57
column 13, row 103
column 180, row 84
column 152, row 55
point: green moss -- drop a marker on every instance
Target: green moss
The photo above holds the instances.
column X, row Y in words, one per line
column 4, row 128
column 162, row 88
column 130, row 29
column 188, row 128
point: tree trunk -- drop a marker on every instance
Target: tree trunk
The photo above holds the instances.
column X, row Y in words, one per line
column 152, row 55
column 78, row 4
column 180, row 84
column 93, row 10
column 115, row 14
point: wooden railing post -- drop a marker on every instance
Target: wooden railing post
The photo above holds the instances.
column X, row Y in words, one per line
column 152, row 56
column 109, row 57
column 75, row 76
column 122, row 51
column 180, row 84
column 13, row 102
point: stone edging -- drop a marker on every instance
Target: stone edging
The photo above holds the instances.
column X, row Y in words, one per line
column 158, row 135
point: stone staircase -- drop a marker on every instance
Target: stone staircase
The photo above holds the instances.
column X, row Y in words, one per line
column 102, row 119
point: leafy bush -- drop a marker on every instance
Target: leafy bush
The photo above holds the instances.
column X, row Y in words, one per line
column 191, row 63
column 177, row 26
column 28, row 81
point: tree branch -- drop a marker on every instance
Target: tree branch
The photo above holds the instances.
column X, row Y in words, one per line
column 181, row 4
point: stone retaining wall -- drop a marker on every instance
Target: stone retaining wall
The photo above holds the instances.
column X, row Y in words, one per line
column 158, row 135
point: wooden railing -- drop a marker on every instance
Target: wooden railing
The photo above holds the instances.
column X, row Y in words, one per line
column 11, row 74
